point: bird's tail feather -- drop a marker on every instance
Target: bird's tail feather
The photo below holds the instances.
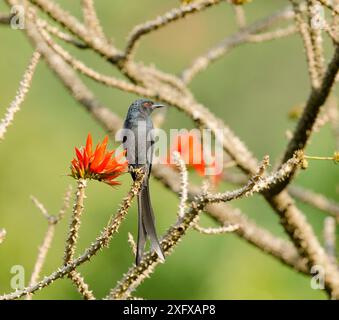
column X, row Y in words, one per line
column 146, row 225
column 142, row 236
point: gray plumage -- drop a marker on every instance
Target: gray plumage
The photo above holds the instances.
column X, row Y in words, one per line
column 138, row 142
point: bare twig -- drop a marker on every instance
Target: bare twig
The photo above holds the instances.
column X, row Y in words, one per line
column 20, row 95
column 137, row 274
column 91, row 19
column 46, row 243
column 183, row 183
column 75, row 221
column 72, row 240
column 240, row 16
column 62, row 35
column 332, row 33
column 66, row 203
column 81, row 285
column 72, row 83
column 305, row 33
column 316, row 37
column 272, row 35
column 41, row 208
column 107, row 80
column 214, row 231
column 248, row 229
column 307, row 244
column 329, row 238
column 294, row 222
column 76, row 27
column 316, row 200
column 43, row 250
column 315, row 101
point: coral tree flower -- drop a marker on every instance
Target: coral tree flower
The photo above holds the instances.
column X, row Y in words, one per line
column 189, row 147
column 100, row 164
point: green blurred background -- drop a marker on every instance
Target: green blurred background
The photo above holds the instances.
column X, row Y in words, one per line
column 252, row 89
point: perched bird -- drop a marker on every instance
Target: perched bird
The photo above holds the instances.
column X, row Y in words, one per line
column 138, row 142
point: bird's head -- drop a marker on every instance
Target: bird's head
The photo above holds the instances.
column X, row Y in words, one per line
column 145, row 106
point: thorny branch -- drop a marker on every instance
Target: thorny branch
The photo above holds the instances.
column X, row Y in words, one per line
column 72, row 238
column 46, row 243
column 247, row 34
column 91, row 20
column 100, row 242
column 137, row 274
column 314, row 199
column 20, row 95
column 248, row 229
column 153, row 83
column 75, row 221
column 164, row 20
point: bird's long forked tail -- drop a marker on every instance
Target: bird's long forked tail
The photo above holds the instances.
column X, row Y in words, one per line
column 146, row 226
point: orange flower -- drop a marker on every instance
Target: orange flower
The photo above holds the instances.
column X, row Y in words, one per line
column 98, row 165
column 189, row 147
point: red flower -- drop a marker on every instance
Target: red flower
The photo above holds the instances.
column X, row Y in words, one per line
column 189, row 147
column 99, row 165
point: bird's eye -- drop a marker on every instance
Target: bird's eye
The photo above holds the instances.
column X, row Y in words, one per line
column 147, row 104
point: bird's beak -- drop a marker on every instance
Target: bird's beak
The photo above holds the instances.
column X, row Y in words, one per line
column 157, row 105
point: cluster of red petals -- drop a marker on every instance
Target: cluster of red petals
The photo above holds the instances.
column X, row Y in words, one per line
column 99, row 164
column 189, row 146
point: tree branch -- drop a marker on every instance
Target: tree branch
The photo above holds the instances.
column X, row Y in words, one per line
column 101, row 241
column 91, row 19
column 46, row 243
column 20, row 95
column 137, row 274
column 315, row 101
